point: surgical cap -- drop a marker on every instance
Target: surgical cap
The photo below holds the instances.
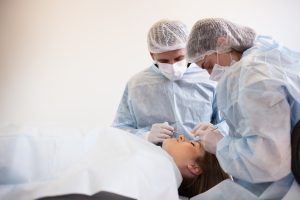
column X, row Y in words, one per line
column 217, row 35
column 167, row 35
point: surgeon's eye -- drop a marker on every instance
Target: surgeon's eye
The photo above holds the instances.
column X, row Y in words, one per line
column 193, row 144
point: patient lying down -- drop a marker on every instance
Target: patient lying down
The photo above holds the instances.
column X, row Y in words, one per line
column 38, row 163
column 200, row 170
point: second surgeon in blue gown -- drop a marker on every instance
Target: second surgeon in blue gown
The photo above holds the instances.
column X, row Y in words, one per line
column 258, row 94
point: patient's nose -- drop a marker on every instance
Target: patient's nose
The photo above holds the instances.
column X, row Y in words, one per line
column 181, row 138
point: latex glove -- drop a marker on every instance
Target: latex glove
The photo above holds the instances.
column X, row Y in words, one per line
column 160, row 132
column 208, row 136
column 201, row 128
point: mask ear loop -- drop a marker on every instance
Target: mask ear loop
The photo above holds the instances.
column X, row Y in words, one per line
column 231, row 61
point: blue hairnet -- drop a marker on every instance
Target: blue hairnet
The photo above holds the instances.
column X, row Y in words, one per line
column 217, row 35
column 167, row 35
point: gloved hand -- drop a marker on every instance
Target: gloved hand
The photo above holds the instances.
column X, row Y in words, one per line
column 159, row 132
column 201, row 128
column 208, row 135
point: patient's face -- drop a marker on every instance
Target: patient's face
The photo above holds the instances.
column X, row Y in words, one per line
column 183, row 151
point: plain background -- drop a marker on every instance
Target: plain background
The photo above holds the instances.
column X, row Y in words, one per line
column 68, row 61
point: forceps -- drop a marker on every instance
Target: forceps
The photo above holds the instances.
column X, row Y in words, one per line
column 175, row 134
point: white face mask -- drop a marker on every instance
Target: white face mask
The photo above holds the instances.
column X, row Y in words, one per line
column 218, row 70
column 173, row 71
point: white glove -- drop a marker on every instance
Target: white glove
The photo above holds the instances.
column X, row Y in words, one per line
column 159, row 132
column 208, row 135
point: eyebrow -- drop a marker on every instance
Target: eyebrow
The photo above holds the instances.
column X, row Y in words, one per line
column 179, row 57
column 167, row 60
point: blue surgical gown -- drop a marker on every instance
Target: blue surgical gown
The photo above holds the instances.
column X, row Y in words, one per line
column 259, row 97
column 151, row 98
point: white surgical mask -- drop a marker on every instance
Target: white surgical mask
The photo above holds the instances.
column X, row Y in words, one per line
column 218, row 70
column 173, row 71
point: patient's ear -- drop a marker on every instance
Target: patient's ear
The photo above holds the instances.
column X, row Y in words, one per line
column 194, row 169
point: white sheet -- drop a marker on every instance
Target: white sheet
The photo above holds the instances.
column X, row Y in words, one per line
column 35, row 163
column 293, row 193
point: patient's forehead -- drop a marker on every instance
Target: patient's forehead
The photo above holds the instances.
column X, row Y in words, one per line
column 172, row 146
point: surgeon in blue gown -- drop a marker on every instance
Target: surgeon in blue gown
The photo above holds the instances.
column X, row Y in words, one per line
column 170, row 95
column 258, row 94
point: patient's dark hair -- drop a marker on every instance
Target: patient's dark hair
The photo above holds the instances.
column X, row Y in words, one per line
column 212, row 175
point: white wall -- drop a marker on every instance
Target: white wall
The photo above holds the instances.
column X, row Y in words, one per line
column 67, row 61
